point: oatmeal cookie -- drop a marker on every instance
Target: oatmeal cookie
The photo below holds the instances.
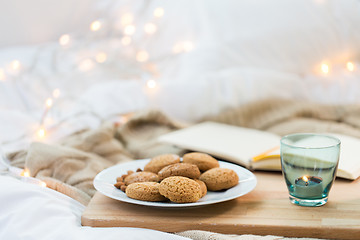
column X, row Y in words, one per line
column 180, row 189
column 145, row 191
column 217, row 179
column 180, row 169
column 202, row 160
column 202, row 187
column 161, row 161
column 141, row 177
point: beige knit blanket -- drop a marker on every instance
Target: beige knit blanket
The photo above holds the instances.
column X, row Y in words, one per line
column 70, row 166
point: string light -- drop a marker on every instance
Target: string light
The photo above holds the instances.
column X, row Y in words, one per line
column 2, row 75
column 56, row 93
column 151, row 84
column 159, row 12
column 25, row 173
column 177, row 48
column 129, row 30
column 350, row 66
column 150, row 28
column 127, row 19
column 121, row 120
column 64, row 40
column 126, row 40
column 101, row 57
column 95, row 26
column 142, row 56
column 86, row 65
column 49, row 102
column 325, row 68
column 41, row 133
column 188, row 46
column 319, row 1
column 26, row 178
column 15, row 65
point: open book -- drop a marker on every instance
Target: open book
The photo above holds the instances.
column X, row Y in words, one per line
column 252, row 148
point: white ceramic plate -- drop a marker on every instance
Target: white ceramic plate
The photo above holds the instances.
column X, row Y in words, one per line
column 104, row 183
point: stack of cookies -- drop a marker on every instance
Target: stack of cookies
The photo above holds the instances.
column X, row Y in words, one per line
column 166, row 177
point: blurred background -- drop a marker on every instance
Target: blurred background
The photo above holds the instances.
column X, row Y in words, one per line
column 69, row 65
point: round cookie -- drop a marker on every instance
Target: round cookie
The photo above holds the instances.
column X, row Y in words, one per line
column 161, row 161
column 141, row 177
column 180, row 189
column 219, row 178
column 202, row 187
column 180, row 169
column 202, row 160
column 145, row 191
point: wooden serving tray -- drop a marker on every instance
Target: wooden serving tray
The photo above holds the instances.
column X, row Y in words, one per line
column 264, row 211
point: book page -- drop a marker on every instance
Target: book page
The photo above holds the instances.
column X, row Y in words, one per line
column 224, row 141
column 349, row 162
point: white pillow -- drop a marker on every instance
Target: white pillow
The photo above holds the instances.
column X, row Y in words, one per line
column 280, row 35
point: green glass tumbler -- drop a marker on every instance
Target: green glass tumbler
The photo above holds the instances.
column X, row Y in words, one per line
column 309, row 163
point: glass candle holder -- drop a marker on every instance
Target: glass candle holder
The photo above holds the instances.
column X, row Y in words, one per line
column 309, row 163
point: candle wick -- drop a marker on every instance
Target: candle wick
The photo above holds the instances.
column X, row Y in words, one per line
column 306, row 183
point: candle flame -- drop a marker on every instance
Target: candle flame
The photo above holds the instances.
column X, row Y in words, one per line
column 305, row 178
column 42, row 184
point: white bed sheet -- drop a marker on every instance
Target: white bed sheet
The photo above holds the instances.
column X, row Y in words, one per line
column 29, row 211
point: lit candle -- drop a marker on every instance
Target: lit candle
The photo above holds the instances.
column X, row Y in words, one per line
column 308, row 187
